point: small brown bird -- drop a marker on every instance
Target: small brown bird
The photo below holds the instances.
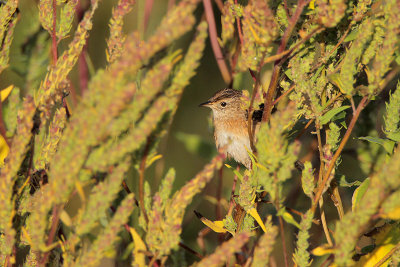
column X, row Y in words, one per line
column 230, row 124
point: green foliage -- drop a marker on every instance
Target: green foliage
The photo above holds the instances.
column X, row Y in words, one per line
column 302, row 256
column 83, row 148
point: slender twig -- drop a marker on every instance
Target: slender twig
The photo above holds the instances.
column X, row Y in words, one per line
column 141, row 179
column 339, row 151
column 289, row 51
column 3, row 130
column 387, row 256
column 82, row 62
column 54, row 225
column 54, row 34
column 321, row 171
column 232, row 200
column 198, row 255
column 284, row 94
column 278, row 64
column 220, row 6
column 282, row 230
column 147, row 11
column 285, row 6
column 226, row 74
column 218, row 211
column 239, row 28
column 304, row 129
column 334, row 49
column 315, row 221
column 337, row 201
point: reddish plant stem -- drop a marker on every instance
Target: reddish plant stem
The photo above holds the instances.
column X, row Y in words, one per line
column 268, row 103
column 331, row 165
column 53, row 34
column 232, row 200
column 284, row 94
column 239, row 28
column 141, row 179
column 220, row 6
column 212, row 29
column 82, row 63
column 218, row 211
column 3, row 130
column 289, row 51
column 195, row 253
column 282, row 230
column 54, row 225
column 147, row 11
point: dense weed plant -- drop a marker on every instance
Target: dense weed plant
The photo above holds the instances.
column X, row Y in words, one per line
column 325, row 73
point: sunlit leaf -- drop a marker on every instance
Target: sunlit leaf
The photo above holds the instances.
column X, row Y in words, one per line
column 5, row 92
column 359, row 193
column 253, row 212
column 140, row 247
column 322, row 250
column 331, row 113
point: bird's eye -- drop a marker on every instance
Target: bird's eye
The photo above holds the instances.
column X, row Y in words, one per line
column 223, row 104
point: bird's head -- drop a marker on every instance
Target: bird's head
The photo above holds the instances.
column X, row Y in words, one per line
column 225, row 103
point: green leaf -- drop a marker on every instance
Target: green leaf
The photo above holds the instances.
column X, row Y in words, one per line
column 236, row 172
column 351, row 36
column 395, row 136
column 387, row 144
column 331, row 113
column 343, row 183
column 288, row 217
column 359, row 193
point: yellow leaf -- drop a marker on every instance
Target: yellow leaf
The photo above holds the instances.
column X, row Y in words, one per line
column 386, row 240
column 80, row 191
column 152, row 160
column 5, row 92
column 312, row 4
column 393, row 214
column 4, row 149
column 64, row 217
column 253, row 212
column 322, row 250
column 140, row 247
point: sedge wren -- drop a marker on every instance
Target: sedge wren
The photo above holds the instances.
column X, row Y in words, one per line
column 230, row 124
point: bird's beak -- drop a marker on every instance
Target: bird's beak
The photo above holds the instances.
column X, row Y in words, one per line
column 205, row 104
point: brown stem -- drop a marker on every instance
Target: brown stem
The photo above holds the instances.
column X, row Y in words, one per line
column 282, row 230
column 53, row 34
column 232, row 201
column 268, row 102
column 239, row 28
column 54, row 225
column 218, row 211
column 321, row 170
column 301, row 214
column 226, row 74
column 195, row 253
column 331, row 165
column 141, row 180
column 289, row 51
column 284, row 94
column 147, row 11
column 387, row 256
column 220, row 6
column 3, row 130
